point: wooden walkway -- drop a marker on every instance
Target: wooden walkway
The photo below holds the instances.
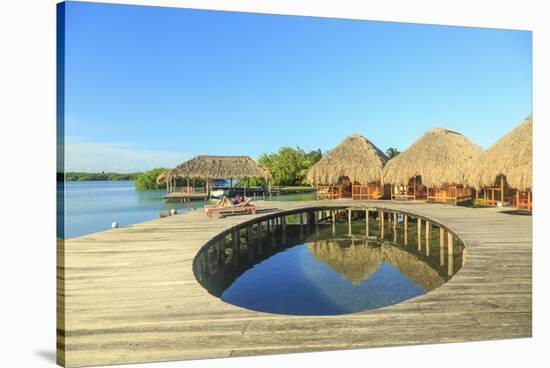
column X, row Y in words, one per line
column 130, row 294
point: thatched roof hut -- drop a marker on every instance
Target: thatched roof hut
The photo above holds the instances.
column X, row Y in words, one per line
column 166, row 176
column 355, row 157
column 511, row 156
column 440, row 157
column 219, row 167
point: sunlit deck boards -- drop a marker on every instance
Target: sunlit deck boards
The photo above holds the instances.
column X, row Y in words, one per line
column 130, row 294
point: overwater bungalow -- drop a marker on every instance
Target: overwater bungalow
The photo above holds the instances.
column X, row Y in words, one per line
column 222, row 167
column 353, row 169
column 503, row 174
column 433, row 168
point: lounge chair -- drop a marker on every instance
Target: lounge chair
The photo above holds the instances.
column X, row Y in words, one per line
column 244, row 207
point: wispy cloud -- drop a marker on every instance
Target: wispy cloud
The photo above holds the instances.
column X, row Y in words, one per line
column 118, row 157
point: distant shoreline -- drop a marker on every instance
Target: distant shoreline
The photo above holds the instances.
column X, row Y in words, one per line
column 103, row 176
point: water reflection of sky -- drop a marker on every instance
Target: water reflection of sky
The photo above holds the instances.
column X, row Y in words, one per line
column 295, row 282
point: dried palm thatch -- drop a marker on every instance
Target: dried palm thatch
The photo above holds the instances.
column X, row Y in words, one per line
column 219, row 167
column 166, row 176
column 440, row 157
column 511, row 156
column 355, row 157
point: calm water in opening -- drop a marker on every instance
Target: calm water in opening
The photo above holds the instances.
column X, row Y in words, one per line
column 327, row 270
column 92, row 206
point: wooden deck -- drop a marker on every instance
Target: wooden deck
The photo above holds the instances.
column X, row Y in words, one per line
column 184, row 197
column 130, row 294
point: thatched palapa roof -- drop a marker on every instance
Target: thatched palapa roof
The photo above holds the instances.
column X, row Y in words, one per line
column 355, row 157
column 511, row 156
column 440, row 157
column 218, row 167
column 166, row 176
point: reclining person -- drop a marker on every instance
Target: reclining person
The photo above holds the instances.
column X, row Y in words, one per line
column 227, row 202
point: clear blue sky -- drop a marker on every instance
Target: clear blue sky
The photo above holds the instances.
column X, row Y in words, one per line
column 152, row 86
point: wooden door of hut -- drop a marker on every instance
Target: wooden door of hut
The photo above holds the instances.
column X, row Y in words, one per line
column 346, row 185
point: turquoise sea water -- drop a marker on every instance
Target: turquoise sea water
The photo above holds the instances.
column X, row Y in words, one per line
column 92, row 206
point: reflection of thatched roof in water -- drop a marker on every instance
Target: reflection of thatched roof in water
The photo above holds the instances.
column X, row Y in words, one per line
column 418, row 271
column 510, row 156
column 359, row 261
column 356, row 262
column 440, row 156
column 355, row 157
column 221, row 167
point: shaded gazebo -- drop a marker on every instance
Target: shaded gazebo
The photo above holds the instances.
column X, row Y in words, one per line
column 222, row 167
column 433, row 168
column 504, row 173
column 353, row 169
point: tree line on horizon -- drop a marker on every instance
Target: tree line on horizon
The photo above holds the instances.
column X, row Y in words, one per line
column 288, row 167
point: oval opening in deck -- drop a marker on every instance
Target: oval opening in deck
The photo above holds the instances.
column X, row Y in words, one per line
column 329, row 262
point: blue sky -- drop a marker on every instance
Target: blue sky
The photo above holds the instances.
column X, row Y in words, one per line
column 151, row 86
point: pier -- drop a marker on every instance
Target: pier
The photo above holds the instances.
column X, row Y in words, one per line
column 130, row 295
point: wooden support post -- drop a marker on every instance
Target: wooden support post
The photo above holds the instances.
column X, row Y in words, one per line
column 272, row 234
column 317, row 215
column 221, row 251
column 419, row 232
column 260, row 234
column 301, row 225
column 517, row 198
column 250, row 238
column 529, row 200
column 405, row 229
column 367, row 223
column 381, row 220
column 235, row 239
column 441, row 246
column 395, row 227
column 283, row 225
column 349, row 221
column 477, row 196
column 450, row 259
column 333, row 214
column 428, row 238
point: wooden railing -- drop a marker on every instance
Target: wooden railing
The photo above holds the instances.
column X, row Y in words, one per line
column 512, row 198
column 491, row 196
column 523, row 200
column 451, row 194
column 329, row 192
column 369, row 191
column 408, row 194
